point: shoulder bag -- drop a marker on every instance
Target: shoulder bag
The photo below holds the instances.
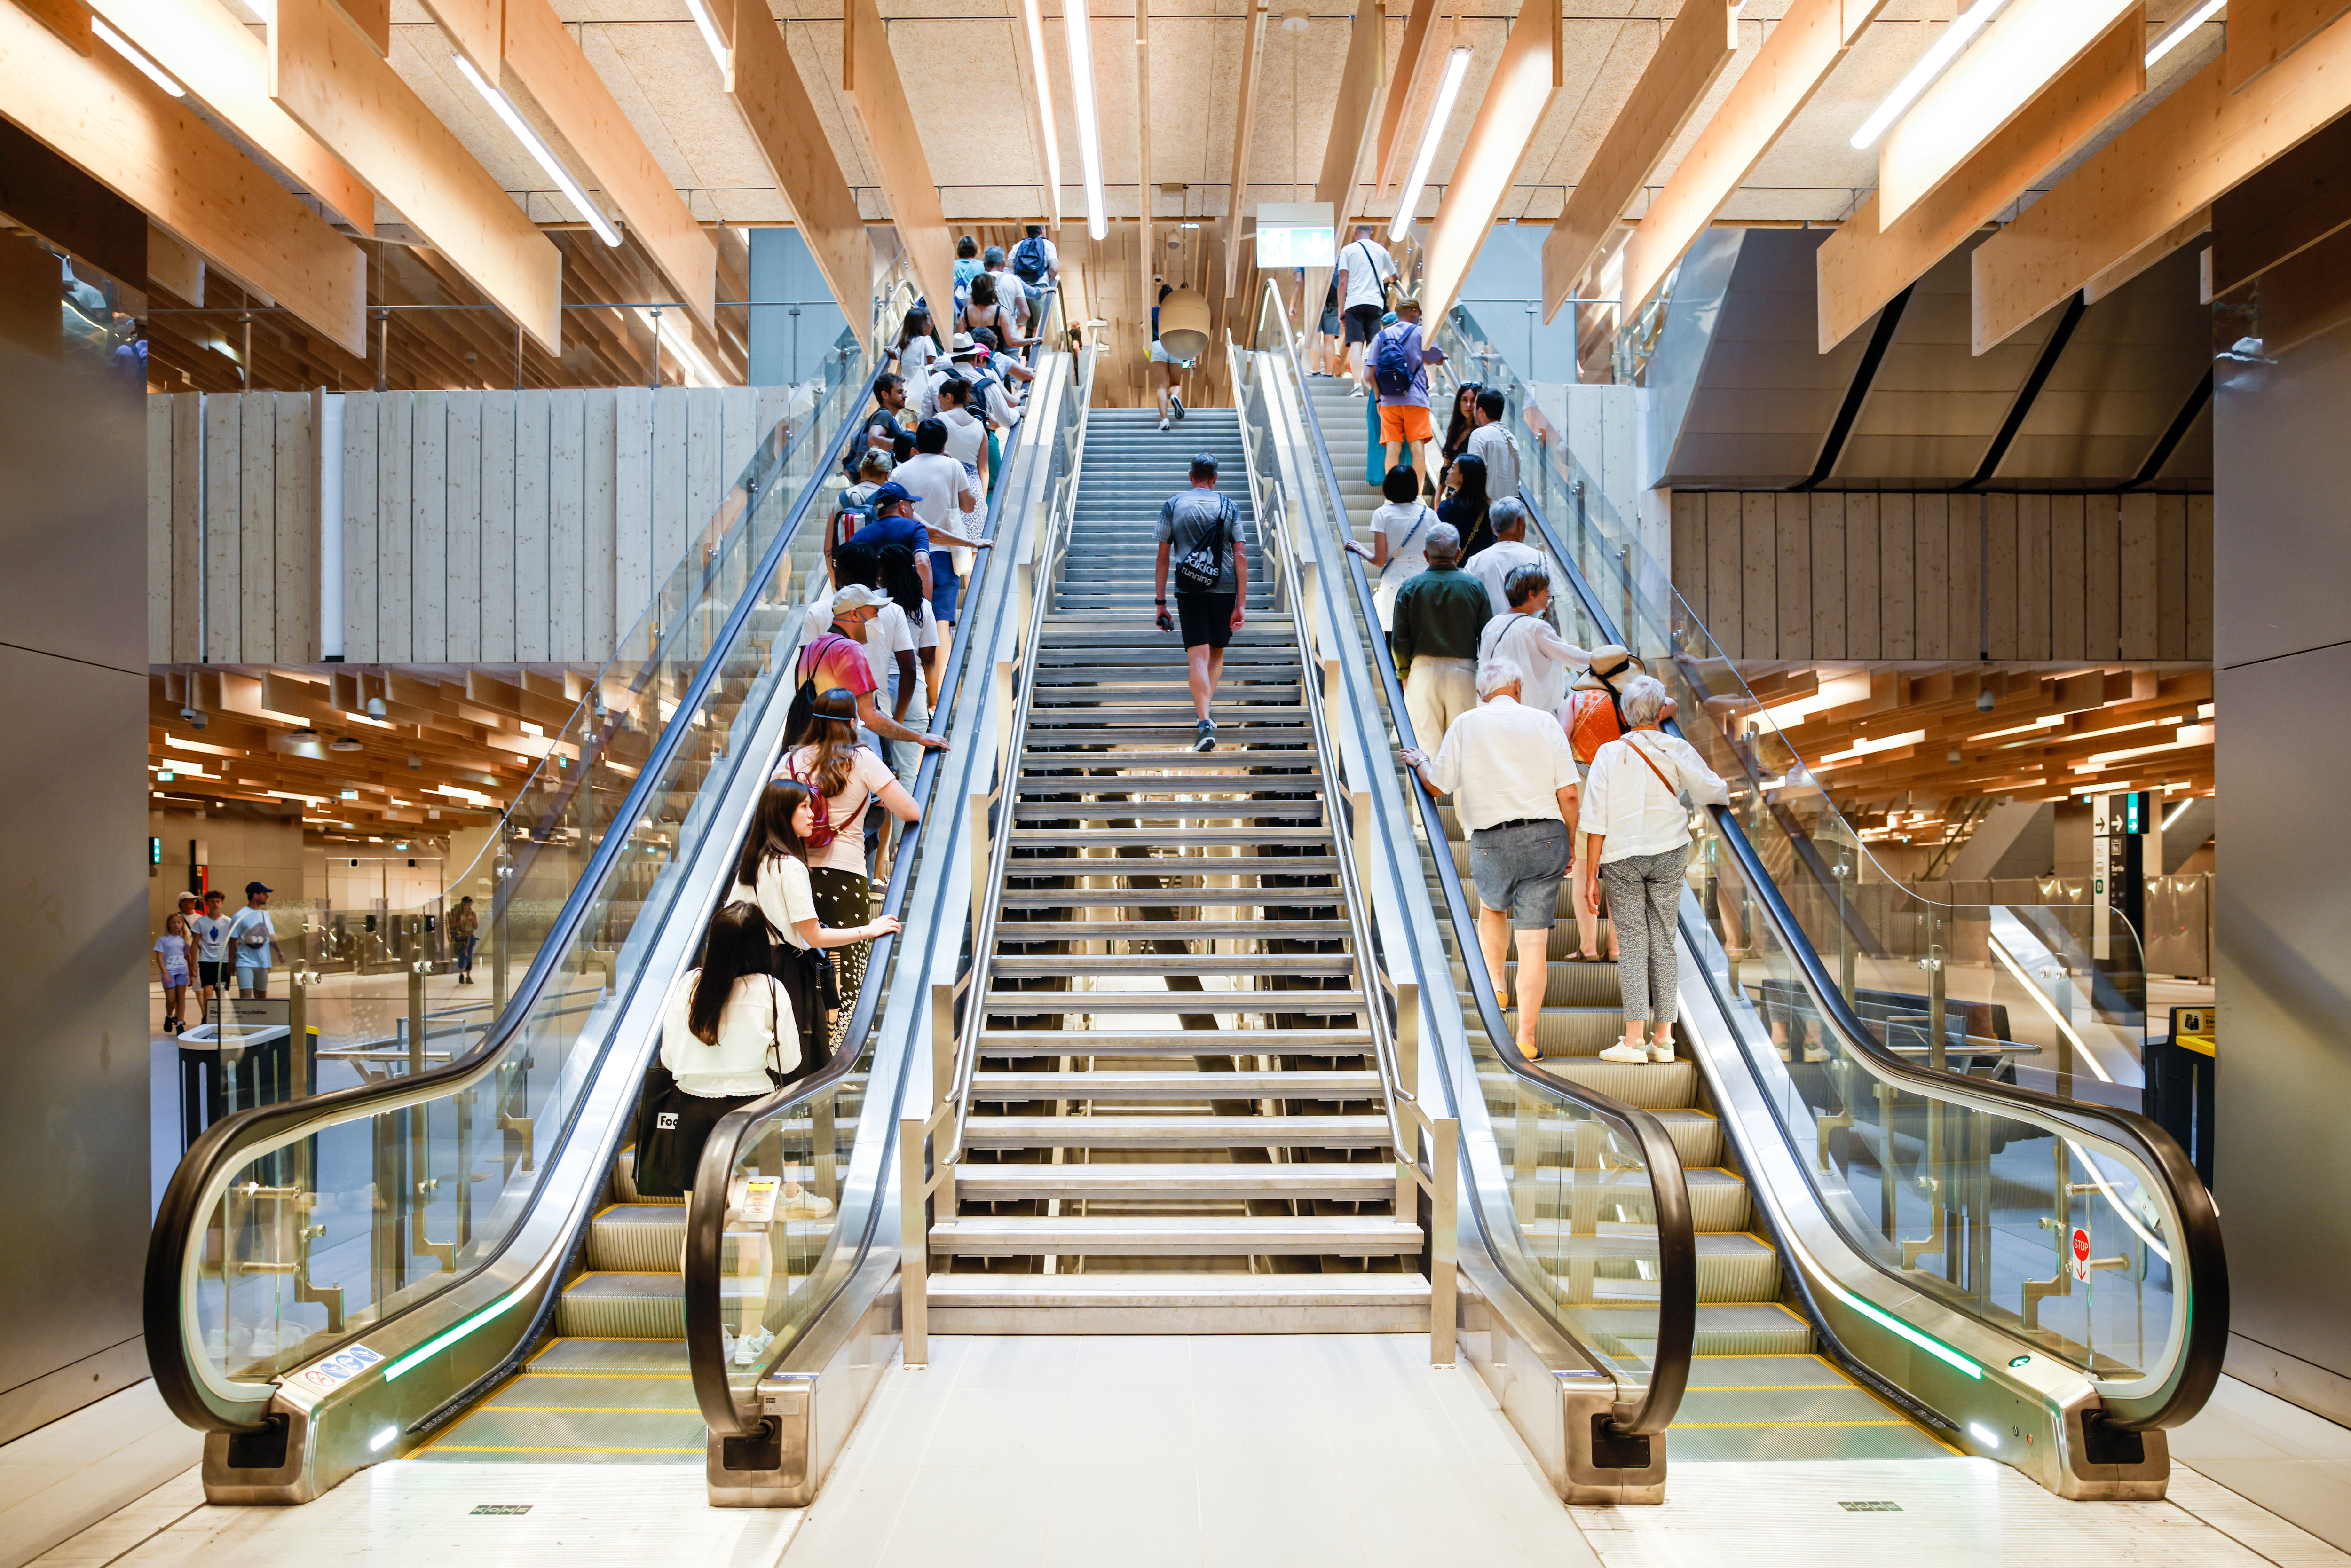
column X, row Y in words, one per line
column 1201, row 568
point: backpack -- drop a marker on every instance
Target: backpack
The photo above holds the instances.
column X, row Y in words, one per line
column 1029, row 261
column 802, row 713
column 821, row 833
column 1392, row 368
column 1201, row 568
column 1595, row 723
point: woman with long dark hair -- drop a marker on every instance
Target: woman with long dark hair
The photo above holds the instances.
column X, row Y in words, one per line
column 772, row 874
column 845, row 779
column 1463, row 506
column 1457, row 429
column 728, row 1037
column 918, row 346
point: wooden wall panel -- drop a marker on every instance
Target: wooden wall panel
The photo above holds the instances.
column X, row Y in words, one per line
column 2032, row 596
column 396, row 640
column 498, row 552
column 1757, row 588
column 256, row 520
column 1794, row 516
column 2199, row 577
column 1897, row 576
column 2172, row 576
column 1967, row 535
column 159, row 530
column 462, row 457
column 534, row 628
column 2141, row 601
column 1999, row 588
column 362, row 554
column 1828, row 610
column 223, row 551
column 670, row 492
column 1864, row 633
column 2102, row 575
column 632, row 510
column 1687, row 511
column 2066, row 605
column 1930, row 543
column 428, row 512
column 187, row 528
column 1723, row 514
column 295, row 518
column 567, row 525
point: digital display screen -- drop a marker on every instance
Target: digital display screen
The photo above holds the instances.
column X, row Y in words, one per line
column 1292, row 244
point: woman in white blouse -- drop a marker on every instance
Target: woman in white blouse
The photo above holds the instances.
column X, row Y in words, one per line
column 1637, row 833
column 726, row 1028
column 772, row 875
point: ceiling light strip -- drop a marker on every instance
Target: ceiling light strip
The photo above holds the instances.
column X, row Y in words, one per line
column 131, row 52
column 1448, row 88
column 1080, row 27
column 2174, row 36
column 1931, row 65
column 572, row 190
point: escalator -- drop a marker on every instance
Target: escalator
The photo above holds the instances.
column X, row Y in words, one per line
column 453, row 1263
column 1927, row 1225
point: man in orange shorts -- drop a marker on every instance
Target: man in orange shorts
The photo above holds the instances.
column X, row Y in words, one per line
column 1399, row 360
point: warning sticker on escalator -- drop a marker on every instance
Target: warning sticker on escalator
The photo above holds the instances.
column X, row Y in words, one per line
column 2081, row 1253
column 336, row 1370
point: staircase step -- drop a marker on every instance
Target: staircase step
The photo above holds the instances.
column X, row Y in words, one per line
column 1050, row 805
column 1192, row 1042
column 1323, row 1003
column 1173, row 866
column 1319, row 964
column 1026, row 932
column 1170, row 898
column 1200, row 769
column 1116, row 838
column 1116, row 1302
column 1122, row 1182
column 1116, row 1132
column 1155, row 1236
column 1000, row 1087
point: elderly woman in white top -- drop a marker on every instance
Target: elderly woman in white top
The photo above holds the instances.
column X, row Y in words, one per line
column 1522, row 635
column 1639, row 836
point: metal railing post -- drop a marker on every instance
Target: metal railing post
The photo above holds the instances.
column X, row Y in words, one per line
column 1444, row 1213
column 913, row 1243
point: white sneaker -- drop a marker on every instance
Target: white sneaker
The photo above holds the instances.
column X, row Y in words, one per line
column 748, row 1348
column 805, row 1206
column 1620, row 1052
column 1355, row 390
column 1660, row 1053
column 1163, row 423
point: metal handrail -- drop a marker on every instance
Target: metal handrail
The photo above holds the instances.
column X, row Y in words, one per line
column 1677, row 1228
column 706, row 1214
column 2203, row 1265
column 204, row 1171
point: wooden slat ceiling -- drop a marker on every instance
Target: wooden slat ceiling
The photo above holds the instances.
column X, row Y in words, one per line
column 2053, row 732
column 453, row 747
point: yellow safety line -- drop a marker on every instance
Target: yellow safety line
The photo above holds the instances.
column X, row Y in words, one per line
column 589, row 1409
column 565, row 1371
column 1759, row 1387
column 543, row 1448
column 1707, row 1426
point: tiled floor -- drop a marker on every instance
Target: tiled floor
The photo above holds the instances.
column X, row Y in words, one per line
column 1227, row 1452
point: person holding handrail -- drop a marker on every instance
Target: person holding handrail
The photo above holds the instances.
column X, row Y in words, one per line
column 1637, row 835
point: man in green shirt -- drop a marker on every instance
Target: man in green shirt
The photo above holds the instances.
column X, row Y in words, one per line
column 1438, row 617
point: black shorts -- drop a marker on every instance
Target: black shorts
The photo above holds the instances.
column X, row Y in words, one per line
column 1207, row 619
column 210, row 974
column 1362, row 322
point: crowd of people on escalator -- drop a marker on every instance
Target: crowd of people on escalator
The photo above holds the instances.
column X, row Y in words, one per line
column 783, row 961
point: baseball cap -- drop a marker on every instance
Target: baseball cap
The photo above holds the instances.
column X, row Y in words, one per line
column 857, row 596
column 890, row 494
column 252, row 887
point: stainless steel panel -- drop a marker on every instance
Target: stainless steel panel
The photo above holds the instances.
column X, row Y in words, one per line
column 73, row 515
column 2280, row 554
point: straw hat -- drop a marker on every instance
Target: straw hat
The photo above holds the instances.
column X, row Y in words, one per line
column 1608, row 665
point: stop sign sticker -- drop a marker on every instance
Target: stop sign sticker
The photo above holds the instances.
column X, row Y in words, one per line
column 2081, row 1253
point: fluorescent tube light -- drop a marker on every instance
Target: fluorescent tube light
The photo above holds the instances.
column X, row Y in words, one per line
column 1939, row 53
column 709, row 25
column 539, row 148
column 131, row 51
column 1448, row 88
column 1032, row 18
column 680, row 347
column 2171, row 37
column 1081, row 92
column 1983, row 1434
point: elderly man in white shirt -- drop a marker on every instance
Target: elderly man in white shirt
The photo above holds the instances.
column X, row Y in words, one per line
column 1493, row 565
column 1513, row 783
column 1490, row 443
column 1637, row 835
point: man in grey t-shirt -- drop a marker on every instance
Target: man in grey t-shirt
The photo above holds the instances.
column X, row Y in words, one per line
column 1193, row 519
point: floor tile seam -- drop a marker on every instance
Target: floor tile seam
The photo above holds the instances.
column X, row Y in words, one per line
column 2250, row 1504
column 173, row 1524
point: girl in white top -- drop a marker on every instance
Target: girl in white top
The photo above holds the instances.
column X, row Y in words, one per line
column 1399, row 547
column 846, row 778
column 1636, row 833
column 1520, row 635
column 171, row 967
column 917, row 344
column 729, row 1021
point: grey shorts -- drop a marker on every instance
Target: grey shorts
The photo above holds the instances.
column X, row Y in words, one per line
column 1518, row 866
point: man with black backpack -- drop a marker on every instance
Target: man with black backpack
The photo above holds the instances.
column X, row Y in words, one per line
column 1035, row 264
column 1200, row 537
column 1400, row 358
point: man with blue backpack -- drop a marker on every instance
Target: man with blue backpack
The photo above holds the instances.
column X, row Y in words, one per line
column 1400, row 357
column 1035, row 264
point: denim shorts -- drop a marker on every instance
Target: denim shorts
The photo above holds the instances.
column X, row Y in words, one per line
column 1518, row 867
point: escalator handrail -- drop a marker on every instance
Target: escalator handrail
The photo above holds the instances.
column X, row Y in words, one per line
column 707, row 1203
column 183, row 1214
column 2202, row 1267
column 1677, row 1226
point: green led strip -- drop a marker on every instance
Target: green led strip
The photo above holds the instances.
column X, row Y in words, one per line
column 443, row 1342
column 1931, row 1346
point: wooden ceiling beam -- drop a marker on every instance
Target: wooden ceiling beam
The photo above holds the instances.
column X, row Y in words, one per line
column 1526, row 81
column 766, row 89
column 100, row 114
column 326, row 75
column 869, row 77
column 548, row 64
column 2187, row 231
column 1809, row 41
column 1691, row 55
column 1427, row 32
column 2282, row 210
column 2181, row 155
column 2263, row 32
column 2026, row 47
column 216, row 57
column 1357, row 100
column 1866, row 263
